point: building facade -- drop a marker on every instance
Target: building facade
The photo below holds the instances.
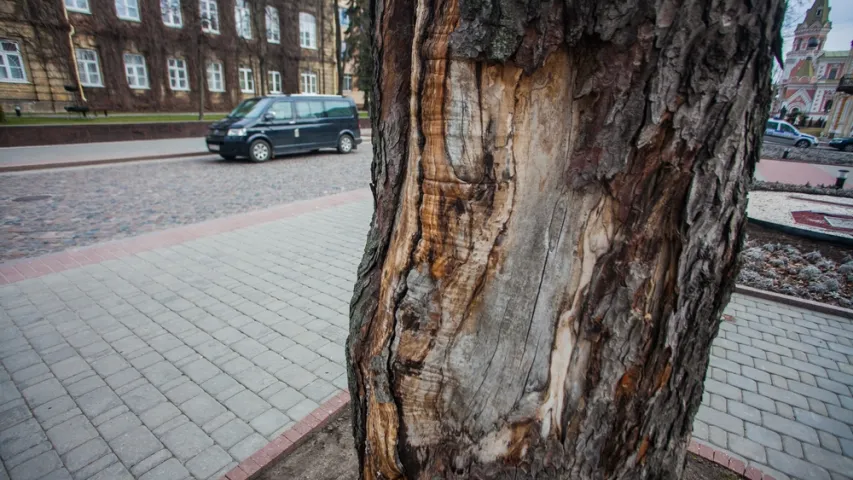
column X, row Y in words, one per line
column 162, row 55
column 811, row 74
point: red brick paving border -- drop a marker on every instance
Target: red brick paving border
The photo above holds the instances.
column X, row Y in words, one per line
column 289, row 440
column 17, row 270
column 319, row 418
column 722, row 458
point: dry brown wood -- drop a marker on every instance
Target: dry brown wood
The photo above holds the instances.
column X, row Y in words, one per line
column 560, row 192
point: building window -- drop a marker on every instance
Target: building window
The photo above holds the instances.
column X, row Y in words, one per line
column 828, row 105
column 309, row 82
column 77, row 5
column 171, row 10
column 307, row 30
column 347, row 81
column 344, row 18
column 247, row 81
column 833, row 73
column 343, row 49
column 275, row 82
column 134, row 67
column 178, row 79
column 209, row 16
column 214, row 77
column 11, row 63
column 243, row 19
column 87, row 66
column 273, row 28
column 127, row 9
column 812, row 43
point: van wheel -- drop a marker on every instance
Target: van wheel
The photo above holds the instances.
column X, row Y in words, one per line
column 802, row 144
column 345, row 143
column 260, row 151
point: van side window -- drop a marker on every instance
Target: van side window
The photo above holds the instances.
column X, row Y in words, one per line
column 282, row 110
column 787, row 128
column 338, row 109
column 773, row 125
column 310, row 109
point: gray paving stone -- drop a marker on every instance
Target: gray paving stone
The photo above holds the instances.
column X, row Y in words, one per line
column 829, row 460
column 85, row 454
column 152, row 461
column 256, row 379
column 71, row 433
column 201, row 370
column 217, row 422
column 306, row 406
column 135, row 445
column 846, row 447
column 829, row 442
column 246, row 447
column 159, row 414
column 802, row 366
column 118, row 425
column 142, row 398
column 183, row 392
column 792, row 446
column 202, row 408
column 161, row 372
column 232, row 432
column 776, row 369
column 186, row 441
column 43, row 392
column 795, row 467
column 50, row 409
column 269, row 422
column 786, row 396
column 795, row 429
column 295, row 376
column 763, row 436
column 823, row 423
column 16, row 412
column 169, row 470
column 235, row 366
column 98, row 401
column 814, row 392
column 36, row 468
column 109, row 365
column 247, row 405
column 69, row 367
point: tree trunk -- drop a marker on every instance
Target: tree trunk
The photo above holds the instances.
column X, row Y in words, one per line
column 560, row 192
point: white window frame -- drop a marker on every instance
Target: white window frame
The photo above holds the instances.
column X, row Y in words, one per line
column 344, row 18
column 211, row 9
column 6, row 68
column 247, row 80
column 83, row 67
column 170, row 10
column 272, row 24
column 136, row 71
column 307, row 31
column 308, row 82
column 243, row 19
column 215, row 84
column 75, row 6
column 347, row 80
column 125, row 5
column 178, row 66
column 275, row 81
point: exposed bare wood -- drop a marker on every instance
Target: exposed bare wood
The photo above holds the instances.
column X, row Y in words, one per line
column 560, row 192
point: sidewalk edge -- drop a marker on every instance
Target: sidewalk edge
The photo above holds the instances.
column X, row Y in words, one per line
column 722, row 458
column 794, row 301
column 88, row 163
column 26, row 268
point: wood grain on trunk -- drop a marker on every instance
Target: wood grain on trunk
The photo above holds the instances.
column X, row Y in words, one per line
column 560, row 192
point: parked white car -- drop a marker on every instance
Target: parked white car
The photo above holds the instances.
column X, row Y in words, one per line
column 780, row 131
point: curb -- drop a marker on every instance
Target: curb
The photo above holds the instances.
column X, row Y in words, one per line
column 294, row 437
column 802, row 232
column 87, row 163
column 794, row 301
column 724, row 459
column 289, row 440
column 26, row 268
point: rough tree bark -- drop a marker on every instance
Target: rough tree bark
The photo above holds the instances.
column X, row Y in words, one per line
column 560, row 191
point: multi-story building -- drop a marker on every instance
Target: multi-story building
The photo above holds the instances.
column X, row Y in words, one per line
column 811, row 74
column 350, row 79
column 162, row 55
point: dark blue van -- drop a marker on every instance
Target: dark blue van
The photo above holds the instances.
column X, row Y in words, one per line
column 263, row 127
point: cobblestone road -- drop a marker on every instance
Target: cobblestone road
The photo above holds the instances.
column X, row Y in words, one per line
column 94, row 204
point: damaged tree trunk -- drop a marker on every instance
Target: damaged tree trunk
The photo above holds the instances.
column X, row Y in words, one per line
column 560, row 191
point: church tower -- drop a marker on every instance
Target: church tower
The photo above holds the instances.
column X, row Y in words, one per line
column 810, row 36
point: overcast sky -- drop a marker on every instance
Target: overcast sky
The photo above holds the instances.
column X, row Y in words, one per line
column 841, row 16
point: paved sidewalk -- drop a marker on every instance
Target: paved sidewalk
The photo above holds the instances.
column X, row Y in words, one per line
column 185, row 357
column 13, row 157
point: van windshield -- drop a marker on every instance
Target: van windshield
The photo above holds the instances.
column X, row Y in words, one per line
column 247, row 109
